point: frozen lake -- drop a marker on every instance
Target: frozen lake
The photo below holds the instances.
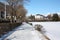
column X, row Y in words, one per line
column 52, row 28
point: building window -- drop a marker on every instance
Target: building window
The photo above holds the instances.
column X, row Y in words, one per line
column 2, row 14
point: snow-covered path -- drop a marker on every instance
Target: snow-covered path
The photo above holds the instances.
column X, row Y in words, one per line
column 24, row 32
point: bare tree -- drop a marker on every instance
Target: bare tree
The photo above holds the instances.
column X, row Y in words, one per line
column 55, row 17
column 21, row 13
column 14, row 4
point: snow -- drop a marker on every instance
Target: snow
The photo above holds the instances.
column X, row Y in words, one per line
column 27, row 32
column 52, row 29
column 23, row 32
column 23, row 35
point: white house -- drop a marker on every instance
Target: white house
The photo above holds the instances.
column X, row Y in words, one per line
column 40, row 17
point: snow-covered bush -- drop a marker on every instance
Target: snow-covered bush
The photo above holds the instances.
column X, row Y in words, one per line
column 39, row 28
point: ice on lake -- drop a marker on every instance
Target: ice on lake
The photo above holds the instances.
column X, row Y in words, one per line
column 52, row 29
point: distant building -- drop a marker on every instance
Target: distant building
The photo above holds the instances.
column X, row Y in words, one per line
column 40, row 17
column 2, row 11
column 37, row 17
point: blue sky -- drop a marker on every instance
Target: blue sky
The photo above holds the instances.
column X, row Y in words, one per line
column 43, row 6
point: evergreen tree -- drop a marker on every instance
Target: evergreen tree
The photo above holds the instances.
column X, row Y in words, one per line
column 55, row 17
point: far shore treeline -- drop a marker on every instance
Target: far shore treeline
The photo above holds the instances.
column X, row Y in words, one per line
column 42, row 18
